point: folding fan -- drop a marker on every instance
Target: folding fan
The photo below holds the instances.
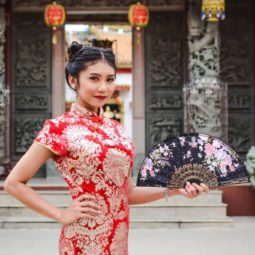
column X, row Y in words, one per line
column 192, row 157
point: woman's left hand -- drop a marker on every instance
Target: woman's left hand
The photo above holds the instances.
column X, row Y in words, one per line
column 193, row 190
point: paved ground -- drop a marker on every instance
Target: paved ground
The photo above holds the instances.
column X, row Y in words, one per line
column 237, row 240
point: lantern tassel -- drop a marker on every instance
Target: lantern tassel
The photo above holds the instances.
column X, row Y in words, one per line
column 54, row 39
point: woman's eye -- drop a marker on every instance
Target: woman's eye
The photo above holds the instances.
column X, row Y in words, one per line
column 110, row 80
column 94, row 78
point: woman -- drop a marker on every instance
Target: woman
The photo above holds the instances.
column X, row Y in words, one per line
column 95, row 157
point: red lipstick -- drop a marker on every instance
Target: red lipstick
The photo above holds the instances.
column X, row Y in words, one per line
column 100, row 97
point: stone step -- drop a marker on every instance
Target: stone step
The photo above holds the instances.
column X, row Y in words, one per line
column 183, row 223
column 178, row 211
column 140, row 211
column 64, row 197
column 55, row 197
column 43, row 222
column 182, row 210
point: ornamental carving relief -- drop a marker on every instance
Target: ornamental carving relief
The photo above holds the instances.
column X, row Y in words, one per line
column 165, row 101
column 240, row 132
column 164, row 76
column 92, row 3
column 2, row 41
column 25, row 131
column 31, row 61
column 240, row 98
column 165, row 64
column 3, row 94
column 165, row 55
column 206, row 109
column 236, row 45
column 203, row 41
column 235, row 55
column 165, row 2
column 161, row 127
column 32, row 102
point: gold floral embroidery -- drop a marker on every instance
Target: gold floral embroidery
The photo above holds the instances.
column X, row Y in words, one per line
column 66, row 247
column 116, row 166
column 92, row 248
column 119, row 242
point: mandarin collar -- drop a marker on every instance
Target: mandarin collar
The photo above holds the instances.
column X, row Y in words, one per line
column 85, row 113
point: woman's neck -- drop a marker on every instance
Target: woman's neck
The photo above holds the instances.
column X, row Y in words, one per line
column 88, row 107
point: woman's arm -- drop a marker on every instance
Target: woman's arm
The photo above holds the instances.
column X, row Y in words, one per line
column 140, row 195
column 24, row 170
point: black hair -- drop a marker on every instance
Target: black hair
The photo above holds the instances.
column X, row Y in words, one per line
column 80, row 57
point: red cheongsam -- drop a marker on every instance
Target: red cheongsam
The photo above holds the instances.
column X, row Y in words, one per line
column 94, row 155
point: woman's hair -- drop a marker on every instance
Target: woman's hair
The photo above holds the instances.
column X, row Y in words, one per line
column 80, row 57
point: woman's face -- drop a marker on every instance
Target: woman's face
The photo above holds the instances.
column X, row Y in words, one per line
column 96, row 85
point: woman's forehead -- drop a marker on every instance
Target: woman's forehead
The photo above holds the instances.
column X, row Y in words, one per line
column 100, row 67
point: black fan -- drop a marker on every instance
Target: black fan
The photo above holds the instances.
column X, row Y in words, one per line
column 195, row 158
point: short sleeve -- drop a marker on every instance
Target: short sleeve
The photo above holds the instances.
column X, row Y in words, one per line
column 51, row 136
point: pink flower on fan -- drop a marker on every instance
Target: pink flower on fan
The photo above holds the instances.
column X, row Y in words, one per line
column 209, row 150
column 147, row 167
column 231, row 168
column 152, row 173
column 222, row 166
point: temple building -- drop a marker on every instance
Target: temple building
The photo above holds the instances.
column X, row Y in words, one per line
column 158, row 69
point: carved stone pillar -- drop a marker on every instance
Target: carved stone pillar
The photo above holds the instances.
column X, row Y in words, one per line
column 205, row 95
column 3, row 92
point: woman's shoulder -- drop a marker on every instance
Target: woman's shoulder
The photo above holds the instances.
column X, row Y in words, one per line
column 119, row 126
column 59, row 122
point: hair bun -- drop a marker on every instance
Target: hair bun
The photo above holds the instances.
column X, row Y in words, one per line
column 73, row 50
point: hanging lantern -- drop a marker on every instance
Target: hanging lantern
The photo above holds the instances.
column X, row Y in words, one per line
column 54, row 16
column 213, row 10
column 138, row 16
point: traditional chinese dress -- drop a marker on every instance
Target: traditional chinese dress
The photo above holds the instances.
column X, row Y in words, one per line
column 94, row 155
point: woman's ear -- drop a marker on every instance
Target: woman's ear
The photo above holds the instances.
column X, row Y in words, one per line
column 72, row 81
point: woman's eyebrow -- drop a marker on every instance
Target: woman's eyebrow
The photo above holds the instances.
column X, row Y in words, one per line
column 97, row 74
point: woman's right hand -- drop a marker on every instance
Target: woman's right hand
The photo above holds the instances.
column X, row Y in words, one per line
column 82, row 207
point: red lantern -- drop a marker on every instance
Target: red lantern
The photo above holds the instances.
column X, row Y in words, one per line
column 54, row 16
column 138, row 16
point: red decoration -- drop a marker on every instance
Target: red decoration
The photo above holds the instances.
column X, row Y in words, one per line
column 54, row 16
column 138, row 16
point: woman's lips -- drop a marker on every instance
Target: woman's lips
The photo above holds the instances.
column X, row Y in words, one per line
column 100, row 97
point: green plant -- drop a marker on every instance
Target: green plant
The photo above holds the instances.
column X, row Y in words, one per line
column 250, row 164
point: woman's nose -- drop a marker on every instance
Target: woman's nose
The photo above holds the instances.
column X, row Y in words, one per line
column 102, row 86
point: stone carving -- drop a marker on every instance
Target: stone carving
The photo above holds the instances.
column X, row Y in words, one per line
column 162, row 127
column 93, row 3
column 2, row 41
column 31, row 61
column 25, row 132
column 203, row 43
column 165, row 65
column 165, row 2
column 240, row 132
column 235, row 67
column 31, row 102
column 3, row 92
column 236, row 44
column 2, row 124
column 235, row 61
column 164, row 58
column 164, row 42
column 165, row 101
column 240, row 99
column 206, row 109
column 205, row 97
